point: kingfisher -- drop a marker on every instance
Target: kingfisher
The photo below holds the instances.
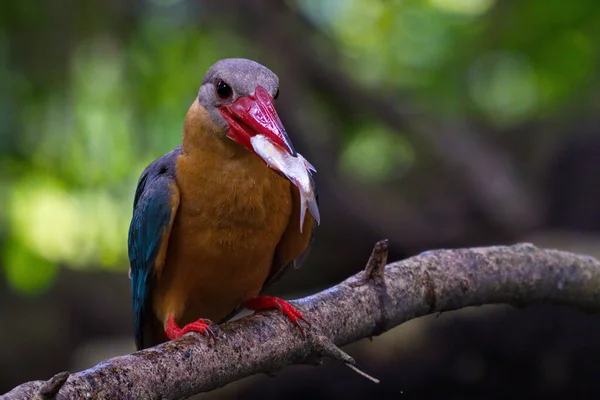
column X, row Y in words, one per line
column 223, row 215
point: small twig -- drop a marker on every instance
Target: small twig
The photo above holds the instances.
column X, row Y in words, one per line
column 376, row 265
column 50, row 388
column 325, row 347
column 375, row 269
column 362, row 373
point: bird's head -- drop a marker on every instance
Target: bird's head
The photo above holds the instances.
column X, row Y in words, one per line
column 239, row 96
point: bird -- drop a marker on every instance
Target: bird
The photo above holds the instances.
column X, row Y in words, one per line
column 214, row 223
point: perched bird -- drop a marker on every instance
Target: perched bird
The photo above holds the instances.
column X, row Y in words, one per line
column 223, row 215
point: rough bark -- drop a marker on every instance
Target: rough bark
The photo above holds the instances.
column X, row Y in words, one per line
column 364, row 305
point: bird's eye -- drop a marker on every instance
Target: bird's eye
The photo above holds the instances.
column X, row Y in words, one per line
column 276, row 94
column 223, row 90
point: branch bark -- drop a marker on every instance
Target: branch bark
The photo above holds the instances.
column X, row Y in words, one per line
column 365, row 305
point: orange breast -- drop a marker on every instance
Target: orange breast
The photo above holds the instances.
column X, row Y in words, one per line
column 232, row 214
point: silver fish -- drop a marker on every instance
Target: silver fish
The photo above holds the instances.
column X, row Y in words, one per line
column 296, row 169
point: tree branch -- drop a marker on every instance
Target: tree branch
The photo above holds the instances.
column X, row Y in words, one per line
column 365, row 305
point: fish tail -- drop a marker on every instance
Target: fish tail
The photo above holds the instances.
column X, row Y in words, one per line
column 314, row 209
column 303, row 207
column 310, row 203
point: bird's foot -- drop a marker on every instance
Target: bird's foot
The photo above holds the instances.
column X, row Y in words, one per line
column 202, row 326
column 265, row 302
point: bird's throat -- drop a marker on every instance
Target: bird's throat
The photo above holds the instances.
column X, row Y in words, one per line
column 200, row 136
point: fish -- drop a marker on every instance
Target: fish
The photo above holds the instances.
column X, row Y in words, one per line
column 295, row 168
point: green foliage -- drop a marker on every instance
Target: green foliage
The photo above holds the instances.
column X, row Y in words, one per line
column 26, row 271
column 374, row 154
column 505, row 61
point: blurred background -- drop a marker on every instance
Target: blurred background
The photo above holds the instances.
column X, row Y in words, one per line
column 434, row 123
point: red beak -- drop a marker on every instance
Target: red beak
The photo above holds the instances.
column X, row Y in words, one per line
column 255, row 114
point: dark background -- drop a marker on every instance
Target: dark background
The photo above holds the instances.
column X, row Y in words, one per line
column 434, row 123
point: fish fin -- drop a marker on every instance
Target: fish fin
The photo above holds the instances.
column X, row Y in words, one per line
column 314, row 209
column 302, row 210
column 308, row 165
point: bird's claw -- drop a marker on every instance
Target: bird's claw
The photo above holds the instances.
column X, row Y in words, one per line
column 202, row 326
column 265, row 302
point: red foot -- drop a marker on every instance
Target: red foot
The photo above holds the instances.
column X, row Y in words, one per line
column 265, row 302
column 202, row 326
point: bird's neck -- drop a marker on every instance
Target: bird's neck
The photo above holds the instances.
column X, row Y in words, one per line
column 200, row 136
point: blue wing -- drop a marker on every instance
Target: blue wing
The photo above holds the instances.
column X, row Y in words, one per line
column 154, row 208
